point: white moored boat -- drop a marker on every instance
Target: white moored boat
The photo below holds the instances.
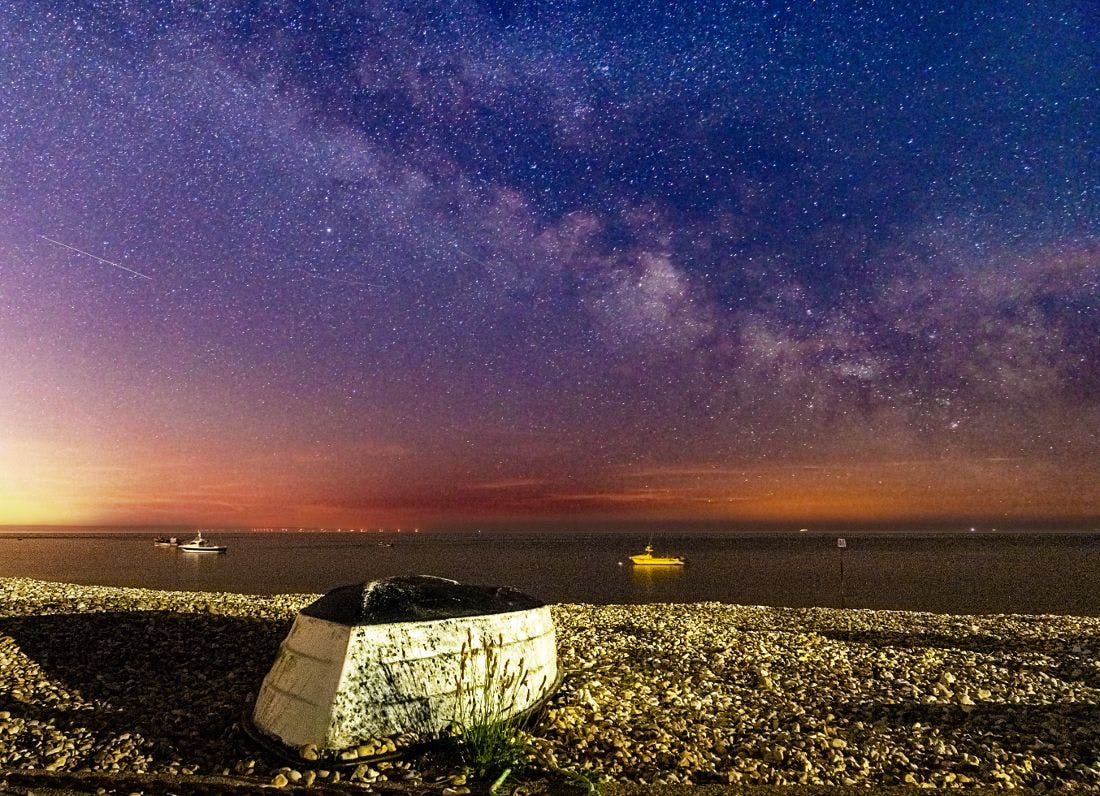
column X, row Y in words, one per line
column 200, row 545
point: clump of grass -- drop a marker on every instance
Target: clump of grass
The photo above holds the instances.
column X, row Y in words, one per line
column 589, row 782
column 488, row 728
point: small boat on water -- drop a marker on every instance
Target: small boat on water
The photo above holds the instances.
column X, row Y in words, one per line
column 647, row 559
column 166, row 541
column 200, row 545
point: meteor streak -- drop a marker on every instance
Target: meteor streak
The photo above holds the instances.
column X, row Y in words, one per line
column 98, row 259
column 469, row 256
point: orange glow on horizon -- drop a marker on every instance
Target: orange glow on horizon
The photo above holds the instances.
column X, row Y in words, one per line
column 71, row 486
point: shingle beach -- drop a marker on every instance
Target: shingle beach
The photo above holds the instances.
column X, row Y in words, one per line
column 113, row 682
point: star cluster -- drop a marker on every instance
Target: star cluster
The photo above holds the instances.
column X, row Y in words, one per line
column 371, row 262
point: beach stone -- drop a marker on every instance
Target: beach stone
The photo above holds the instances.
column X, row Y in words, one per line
column 691, row 672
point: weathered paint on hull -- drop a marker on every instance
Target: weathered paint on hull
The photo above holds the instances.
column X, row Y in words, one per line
column 334, row 685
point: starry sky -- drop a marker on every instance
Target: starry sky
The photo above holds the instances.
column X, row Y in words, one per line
column 549, row 263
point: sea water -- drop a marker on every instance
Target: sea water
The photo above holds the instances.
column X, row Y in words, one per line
column 967, row 573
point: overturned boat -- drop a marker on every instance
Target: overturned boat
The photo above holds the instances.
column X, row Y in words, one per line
column 406, row 655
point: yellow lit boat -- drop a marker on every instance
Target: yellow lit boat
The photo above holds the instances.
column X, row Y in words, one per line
column 647, row 559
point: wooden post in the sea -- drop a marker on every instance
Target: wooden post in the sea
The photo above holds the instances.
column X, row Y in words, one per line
column 842, row 545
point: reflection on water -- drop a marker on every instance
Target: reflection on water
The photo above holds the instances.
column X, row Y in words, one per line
column 655, row 582
column 201, row 562
column 970, row 573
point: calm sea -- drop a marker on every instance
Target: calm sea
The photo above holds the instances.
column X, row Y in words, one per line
column 970, row 573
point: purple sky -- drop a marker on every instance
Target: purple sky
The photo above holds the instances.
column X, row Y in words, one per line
column 273, row 263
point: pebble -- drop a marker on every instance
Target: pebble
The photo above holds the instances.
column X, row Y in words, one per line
column 673, row 694
column 308, row 752
column 755, row 697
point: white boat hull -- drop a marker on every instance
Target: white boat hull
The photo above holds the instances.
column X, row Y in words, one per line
column 200, row 545
column 333, row 685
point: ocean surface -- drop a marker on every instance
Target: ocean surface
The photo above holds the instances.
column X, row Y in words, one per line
column 967, row 573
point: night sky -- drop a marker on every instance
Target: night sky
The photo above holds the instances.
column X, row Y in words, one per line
column 548, row 263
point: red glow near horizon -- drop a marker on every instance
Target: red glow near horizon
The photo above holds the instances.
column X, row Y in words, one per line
column 261, row 271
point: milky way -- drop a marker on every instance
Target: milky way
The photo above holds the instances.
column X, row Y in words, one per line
column 442, row 263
